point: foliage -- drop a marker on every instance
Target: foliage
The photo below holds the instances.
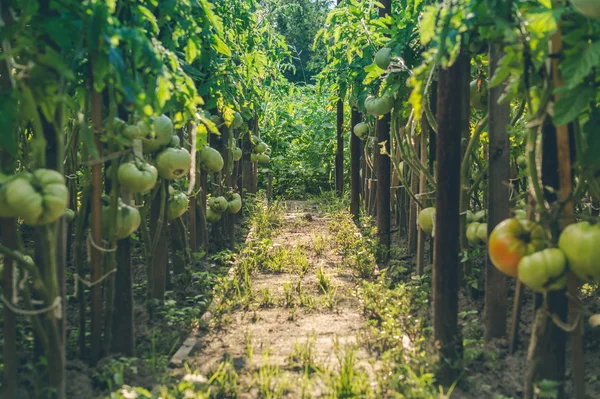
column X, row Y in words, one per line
column 298, row 125
column 298, row 22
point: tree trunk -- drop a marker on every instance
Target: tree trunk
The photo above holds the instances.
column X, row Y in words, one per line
column 177, row 234
column 382, row 166
column 496, row 284
column 247, row 166
column 8, row 227
column 383, row 169
column 339, row 153
column 412, row 217
column 355, row 151
column 201, row 225
column 123, row 330
column 432, row 149
column 451, row 125
column 96, row 236
column 548, row 345
column 158, row 235
column 421, row 238
column 227, row 153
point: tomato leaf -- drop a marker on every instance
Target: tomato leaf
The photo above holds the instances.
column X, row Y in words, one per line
column 427, row 26
column 149, row 17
column 579, row 64
column 571, row 104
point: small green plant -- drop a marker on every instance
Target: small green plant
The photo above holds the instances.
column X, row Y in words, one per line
column 225, row 381
column 249, row 346
column 319, row 244
column 303, row 356
column 266, row 298
column 306, row 300
column 277, row 260
column 324, row 281
column 289, row 295
column 299, row 261
column 331, row 299
column 349, row 381
column 269, row 380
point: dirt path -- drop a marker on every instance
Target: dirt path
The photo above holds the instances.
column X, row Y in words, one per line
column 295, row 334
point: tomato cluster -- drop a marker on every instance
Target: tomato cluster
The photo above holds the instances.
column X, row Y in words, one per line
column 518, row 249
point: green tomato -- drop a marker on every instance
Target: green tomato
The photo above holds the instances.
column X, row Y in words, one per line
column 361, row 130
column 118, row 125
column 263, row 158
column 178, row 205
column 237, row 120
column 425, row 220
column 235, row 205
column 173, row 163
column 237, row 154
column 378, row 106
column 22, row 199
column 38, row 198
column 211, row 160
column 587, row 8
column 478, row 97
column 145, row 129
column 260, row 147
column 479, row 216
column 580, row 243
column 5, row 210
column 128, row 220
column 212, row 216
column 383, row 58
column 218, row 204
column 472, row 236
column 470, row 216
column 175, row 141
column 69, row 215
column 544, row 271
column 137, row 177
column 482, row 232
column 160, row 134
column 522, row 161
column 133, row 132
column 253, row 157
column 520, row 214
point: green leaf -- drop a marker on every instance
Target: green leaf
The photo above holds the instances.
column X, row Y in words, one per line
column 503, row 70
column 201, row 136
column 163, row 91
column 427, row 26
column 149, row 17
column 220, row 46
column 191, row 51
column 577, row 65
column 571, row 104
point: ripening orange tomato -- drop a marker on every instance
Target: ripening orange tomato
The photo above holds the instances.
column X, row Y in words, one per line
column 513, row 239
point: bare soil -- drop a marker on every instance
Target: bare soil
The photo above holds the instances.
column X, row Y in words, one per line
column 274, row 334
